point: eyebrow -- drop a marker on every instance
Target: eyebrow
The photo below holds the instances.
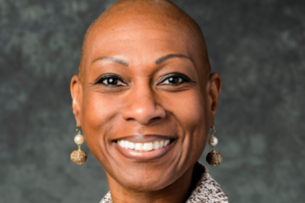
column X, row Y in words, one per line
column 169, row 56
column 158, row 61
column 112, row 59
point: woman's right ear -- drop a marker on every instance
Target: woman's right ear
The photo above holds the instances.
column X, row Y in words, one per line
column 76, row 93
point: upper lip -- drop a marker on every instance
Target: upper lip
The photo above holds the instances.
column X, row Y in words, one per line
column 145, row 138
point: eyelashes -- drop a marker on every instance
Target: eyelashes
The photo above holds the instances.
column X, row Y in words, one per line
column 172, row 79
column 111, row 80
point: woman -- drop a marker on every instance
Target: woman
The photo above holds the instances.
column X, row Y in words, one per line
column 145, row 100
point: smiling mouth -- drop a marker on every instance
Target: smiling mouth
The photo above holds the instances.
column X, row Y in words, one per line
column 146, row 146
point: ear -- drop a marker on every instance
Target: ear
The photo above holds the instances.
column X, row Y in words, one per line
column 76, row 93
column 213, row 91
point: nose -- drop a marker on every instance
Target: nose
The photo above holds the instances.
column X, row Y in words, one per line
column 141, row 106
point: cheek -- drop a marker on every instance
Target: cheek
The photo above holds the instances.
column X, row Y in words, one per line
column 190, row 111
column 93, row 113
column 97, row 111
column 196, row 124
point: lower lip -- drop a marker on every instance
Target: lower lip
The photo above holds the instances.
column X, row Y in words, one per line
column 143, row 156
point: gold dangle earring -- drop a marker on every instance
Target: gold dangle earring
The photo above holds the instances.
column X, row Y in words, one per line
column 213, row 158
column 78, row 156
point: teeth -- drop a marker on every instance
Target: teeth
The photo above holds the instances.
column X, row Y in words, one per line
column 138, row 146
column 147, row 146
column 156, row 145
column 161, row 143
column 130, row 145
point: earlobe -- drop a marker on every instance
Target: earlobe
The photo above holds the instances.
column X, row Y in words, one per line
column 76, row 94
column 214, row 90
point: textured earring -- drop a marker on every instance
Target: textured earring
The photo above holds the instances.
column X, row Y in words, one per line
column 78, row 156
column 213, row 158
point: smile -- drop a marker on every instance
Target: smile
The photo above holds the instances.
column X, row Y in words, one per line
column 146, row 146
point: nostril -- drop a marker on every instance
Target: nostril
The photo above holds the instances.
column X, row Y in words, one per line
column 155, row 118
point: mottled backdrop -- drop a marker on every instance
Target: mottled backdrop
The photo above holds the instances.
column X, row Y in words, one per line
column 258, row 47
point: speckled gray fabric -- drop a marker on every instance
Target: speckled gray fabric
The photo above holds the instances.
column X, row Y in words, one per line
column 206, row 191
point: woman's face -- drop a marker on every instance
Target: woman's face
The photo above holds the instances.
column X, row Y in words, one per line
column 144, row 85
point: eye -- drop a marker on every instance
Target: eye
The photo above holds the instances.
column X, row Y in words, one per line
column 111, row 81
column 174, row 79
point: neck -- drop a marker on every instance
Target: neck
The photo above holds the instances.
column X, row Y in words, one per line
column 177, row 192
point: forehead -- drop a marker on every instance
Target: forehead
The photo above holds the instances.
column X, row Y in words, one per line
column 154, row 35
column 141, row 32
column 143, row 38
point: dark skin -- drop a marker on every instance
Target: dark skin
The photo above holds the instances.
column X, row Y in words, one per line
column 133, row 61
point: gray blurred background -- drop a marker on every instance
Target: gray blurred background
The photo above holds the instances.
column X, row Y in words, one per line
column 257, row 46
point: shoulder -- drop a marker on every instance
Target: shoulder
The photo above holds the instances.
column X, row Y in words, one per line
column 207, row 190
column 107, row 198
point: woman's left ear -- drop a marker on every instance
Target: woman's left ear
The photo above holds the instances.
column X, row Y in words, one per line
column 76, row 93
column 213, row 91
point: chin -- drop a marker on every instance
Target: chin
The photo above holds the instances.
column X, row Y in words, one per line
column 144, row 184
column 143, row 178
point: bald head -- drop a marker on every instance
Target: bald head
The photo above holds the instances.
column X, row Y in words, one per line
column 125, row 11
